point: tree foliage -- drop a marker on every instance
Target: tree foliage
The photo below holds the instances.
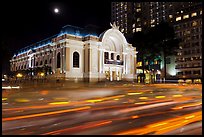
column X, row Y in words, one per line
column 155, row 41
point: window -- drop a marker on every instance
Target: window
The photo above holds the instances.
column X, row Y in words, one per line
column 180, row 73
column 185, row 16
column 196, row 72
column 138, row 29
column 58, row 60
column 106, row 55
column 118, row 57
column 178, row 18
column 45, row 62
column 200, row 12
column 50, row 61
column 138, row 10
column 41, row 63
column 36, row 63
column 193, row 14
column 76, row 60
column 170, row 16
column 168, row 61
column 194, row 23
column 152, row 21
column 112, row 56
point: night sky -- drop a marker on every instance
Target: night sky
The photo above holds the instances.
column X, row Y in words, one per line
column 24, row 22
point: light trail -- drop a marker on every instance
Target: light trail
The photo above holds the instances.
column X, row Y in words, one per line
column 81, row 127
column 165, row 125
column 45, row 114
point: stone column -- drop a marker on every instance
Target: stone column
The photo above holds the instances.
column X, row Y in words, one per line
column 64, row 58
column 124, row 63
column 111, row 75
column 103, row 71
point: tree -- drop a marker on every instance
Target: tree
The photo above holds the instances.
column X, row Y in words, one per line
column 165, row 40
column 142, row 41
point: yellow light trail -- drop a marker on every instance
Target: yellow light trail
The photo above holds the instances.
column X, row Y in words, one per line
column 178, row 95
column 45, row 114
column 3, row 99
column 143, row 97
column 58, row 103
column 160, row 96
column 134, row 93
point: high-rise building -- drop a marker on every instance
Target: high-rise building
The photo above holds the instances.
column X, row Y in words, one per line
column 188, row 27
column 136, row 16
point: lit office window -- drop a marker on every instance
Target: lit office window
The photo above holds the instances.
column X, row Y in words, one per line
column 138, row 10
column 138, row 29
column 185, row 16
column 193, row 14
column 200, row 12
column 122, row 30
column 138, row 5
column 194, row 23
column 152, row 21
column 133, row 25
column 170, row 16
column 138, row 19
column 178, row 18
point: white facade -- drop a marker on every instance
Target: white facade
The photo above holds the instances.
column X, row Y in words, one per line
column 82, row 57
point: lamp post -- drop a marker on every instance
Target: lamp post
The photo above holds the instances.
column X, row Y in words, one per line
column 19, row 75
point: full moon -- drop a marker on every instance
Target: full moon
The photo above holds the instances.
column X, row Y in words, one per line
column 56, row 10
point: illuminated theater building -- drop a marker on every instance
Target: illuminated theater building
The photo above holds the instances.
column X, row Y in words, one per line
column 77, row 54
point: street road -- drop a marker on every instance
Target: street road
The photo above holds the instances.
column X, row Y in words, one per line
column 115, row 109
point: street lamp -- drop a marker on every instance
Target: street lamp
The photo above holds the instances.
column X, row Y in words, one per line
column 42, row 74
column 19, row 75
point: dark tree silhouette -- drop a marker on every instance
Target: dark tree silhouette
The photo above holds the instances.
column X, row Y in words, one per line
column 165, row 40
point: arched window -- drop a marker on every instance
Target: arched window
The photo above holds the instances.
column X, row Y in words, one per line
column 112, row 56
column 25, row 66
column 105, row 57
column 45, row 62
column 76, row 60
column 118, row 57
column 58, row 60
column 40, row 63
